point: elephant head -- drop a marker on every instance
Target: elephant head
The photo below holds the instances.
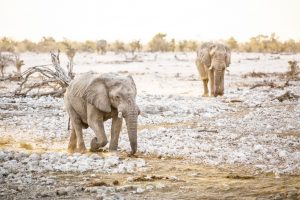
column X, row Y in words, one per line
column 216, row 57
column 107, row 91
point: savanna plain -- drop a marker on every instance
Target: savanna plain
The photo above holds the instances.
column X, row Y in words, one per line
column 242, row 145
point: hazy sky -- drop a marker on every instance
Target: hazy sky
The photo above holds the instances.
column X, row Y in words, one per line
column 141, row 19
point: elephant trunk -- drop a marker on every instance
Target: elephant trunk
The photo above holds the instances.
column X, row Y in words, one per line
column 218, row 81
column 131, row 123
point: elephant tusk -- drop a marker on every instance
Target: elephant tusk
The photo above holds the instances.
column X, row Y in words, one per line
column 120, row 115
column 211, row 67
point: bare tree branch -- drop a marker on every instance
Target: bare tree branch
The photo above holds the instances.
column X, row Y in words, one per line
column 57, row 79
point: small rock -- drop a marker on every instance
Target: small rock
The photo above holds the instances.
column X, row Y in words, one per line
column 126, row 188
column 34, row 157
column 292, row 195
column 278, row 197
column 91, row 189
column 44, row 194
column 149, row 187
column 61, row 192
column 116, row 182
column 99, row 197
column 195, row 174
column 173, row 178
column 95, row 156
column 160, row 186
column 130, row 179
column 140, row 190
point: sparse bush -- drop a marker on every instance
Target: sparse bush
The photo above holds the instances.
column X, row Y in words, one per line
column 70, row 52
column 88, row 46
column 47, row 44
column 187, row 45
column 158, row 43
column 259, row 43
column 26, row 45
column 232, row 43
column 135, row 46
column 7, row 44
column 18, row 63
column 118, row 47
column 172, row 45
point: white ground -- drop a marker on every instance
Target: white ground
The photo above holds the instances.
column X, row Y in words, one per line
column 176, row 121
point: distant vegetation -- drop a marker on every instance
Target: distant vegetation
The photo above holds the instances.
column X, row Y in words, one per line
column 159, row 42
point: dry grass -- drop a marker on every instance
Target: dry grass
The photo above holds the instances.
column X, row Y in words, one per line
column 4, row 142
column 26, row 146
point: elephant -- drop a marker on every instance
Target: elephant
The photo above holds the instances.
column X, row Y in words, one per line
column 93, row 98
column 212, row 60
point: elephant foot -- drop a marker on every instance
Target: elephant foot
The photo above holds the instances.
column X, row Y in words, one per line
column 81, row 149
column 71, row 148
column 132, row 155
column 205, row 95
column 95, row 145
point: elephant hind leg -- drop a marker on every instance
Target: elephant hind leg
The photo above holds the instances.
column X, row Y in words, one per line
column 73, row 140
column 76, row 131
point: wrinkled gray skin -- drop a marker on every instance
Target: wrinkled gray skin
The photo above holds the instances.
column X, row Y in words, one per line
column 212, row 60
column 92, row 99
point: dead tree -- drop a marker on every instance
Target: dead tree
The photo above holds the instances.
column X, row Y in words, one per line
column 271, row 85
column 287, row 96
column 18, row 63
column 57, row 79
column 70, row 54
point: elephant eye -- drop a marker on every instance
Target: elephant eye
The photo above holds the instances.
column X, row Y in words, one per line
column 117, row 97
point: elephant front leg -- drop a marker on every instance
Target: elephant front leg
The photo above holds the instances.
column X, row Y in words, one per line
column 221, row 90
column 115, row 133
column 100, row 140
column 212, row 82
column 205, row 88
column 72, row 142
column 77, row 126
column 95, row 121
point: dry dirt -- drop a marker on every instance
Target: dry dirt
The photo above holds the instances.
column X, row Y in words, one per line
column 165, row 178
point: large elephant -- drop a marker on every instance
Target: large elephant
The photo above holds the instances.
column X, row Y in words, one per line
column 92, row 99
column 212, row 60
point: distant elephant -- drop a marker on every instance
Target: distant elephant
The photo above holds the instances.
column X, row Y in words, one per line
column 212, row 60
column 92, row 99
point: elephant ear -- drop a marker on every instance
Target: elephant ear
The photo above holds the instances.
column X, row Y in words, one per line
column 132, row 83
column 204, row 57
column 92, row 89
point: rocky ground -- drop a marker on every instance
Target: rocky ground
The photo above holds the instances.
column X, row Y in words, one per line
column 245, row 144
